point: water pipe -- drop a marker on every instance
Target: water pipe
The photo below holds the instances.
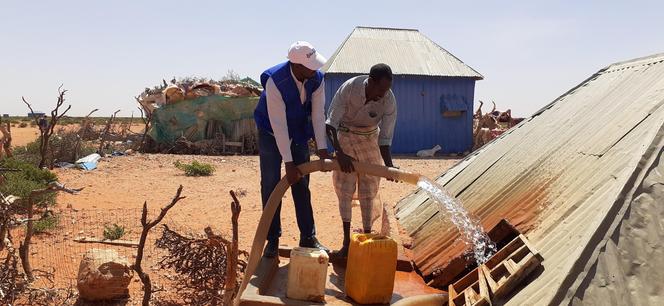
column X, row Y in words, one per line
column 282, row 187
column 423, row 300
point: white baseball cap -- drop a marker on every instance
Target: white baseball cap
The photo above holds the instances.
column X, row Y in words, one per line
column 302, row 52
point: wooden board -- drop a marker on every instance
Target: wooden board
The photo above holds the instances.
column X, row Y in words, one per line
column 507, row 268
column 268, row 286
column 471, row 290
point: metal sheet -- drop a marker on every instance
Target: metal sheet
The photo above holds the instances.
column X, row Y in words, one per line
column 559, row 176
column 408, row 52
column 420, row 122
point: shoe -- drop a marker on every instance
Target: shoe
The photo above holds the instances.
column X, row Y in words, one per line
column 340, row 256
column 312, row 242
column 271, row 249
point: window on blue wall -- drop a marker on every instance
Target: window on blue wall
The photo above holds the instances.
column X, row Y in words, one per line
column 453, row 105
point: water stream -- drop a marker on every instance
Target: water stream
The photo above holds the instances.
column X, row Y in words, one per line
column 470, row 230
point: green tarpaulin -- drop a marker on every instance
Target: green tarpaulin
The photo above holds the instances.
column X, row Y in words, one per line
column 195, row 118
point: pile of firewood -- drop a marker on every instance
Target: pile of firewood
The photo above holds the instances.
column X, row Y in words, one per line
column 192, row 88
column 489, row 126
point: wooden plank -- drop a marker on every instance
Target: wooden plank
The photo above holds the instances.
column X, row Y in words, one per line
column 511, row 266
column 515, row 271
column 484, row 290
column 123, row 243
column 260, row 281
column 493, row 285
column 464, row 290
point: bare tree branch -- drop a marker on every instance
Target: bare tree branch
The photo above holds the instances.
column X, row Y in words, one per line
column 92, row 112
column 86, row 129
column 103, row 136
column 32, row 112
column 231, row 286
column 146, row 115
column 47, row 132
column 147, row 226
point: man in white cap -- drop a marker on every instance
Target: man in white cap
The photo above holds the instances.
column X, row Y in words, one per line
column 290, row 112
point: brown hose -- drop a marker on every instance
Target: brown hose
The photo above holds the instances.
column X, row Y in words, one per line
column 282, row 187
column 424, row 300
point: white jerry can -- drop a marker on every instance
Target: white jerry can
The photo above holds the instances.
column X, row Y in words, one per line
column 307, row 274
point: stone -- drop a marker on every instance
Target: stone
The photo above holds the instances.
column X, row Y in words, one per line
column 104, row 275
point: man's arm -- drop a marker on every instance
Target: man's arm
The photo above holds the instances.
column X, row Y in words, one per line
column 387, row 125
column 345, row 161
column 338, row 108
column 386, row 153
column 276, row 110
column 318, row 120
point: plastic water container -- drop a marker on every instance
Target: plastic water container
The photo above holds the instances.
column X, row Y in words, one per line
column 371, row 267
column 307, row 274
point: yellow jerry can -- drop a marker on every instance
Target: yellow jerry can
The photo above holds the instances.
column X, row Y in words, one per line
column 370, row 269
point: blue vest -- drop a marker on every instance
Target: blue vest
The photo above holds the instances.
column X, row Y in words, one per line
column 298, row 115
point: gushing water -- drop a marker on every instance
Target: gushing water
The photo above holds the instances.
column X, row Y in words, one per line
column 471, row 231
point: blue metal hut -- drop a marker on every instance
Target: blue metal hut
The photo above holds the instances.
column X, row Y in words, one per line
column 434, row 89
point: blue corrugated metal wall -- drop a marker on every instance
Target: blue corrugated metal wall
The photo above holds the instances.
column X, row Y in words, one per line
column 420, row 122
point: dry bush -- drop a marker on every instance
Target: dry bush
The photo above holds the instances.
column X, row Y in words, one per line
column 12, row 281
column 64, row 146
column 201, row 264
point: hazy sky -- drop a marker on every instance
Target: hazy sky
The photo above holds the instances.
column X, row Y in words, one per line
column 106, row 52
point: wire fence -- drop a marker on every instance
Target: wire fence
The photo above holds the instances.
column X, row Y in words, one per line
column 56, row 252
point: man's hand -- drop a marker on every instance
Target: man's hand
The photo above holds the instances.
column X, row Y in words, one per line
column 322, row 154
column 345, row 162
column 293, row 174
column 395, row 167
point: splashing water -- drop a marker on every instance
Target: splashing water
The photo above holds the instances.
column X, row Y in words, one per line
column 471, row 231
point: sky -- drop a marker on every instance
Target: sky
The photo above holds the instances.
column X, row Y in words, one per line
column 107, row 52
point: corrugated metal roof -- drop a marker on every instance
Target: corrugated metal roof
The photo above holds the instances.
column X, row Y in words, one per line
column 562, row 176
column 408, row 52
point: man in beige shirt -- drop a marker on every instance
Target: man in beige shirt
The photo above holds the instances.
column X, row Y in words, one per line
column 360, row 124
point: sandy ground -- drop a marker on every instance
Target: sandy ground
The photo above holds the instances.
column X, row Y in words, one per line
column 126, row 182
column 23, row 136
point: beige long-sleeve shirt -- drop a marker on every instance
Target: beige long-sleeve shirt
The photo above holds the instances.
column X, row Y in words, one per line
column 350, row 108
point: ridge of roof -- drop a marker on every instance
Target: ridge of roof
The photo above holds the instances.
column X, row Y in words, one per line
column 407, row 51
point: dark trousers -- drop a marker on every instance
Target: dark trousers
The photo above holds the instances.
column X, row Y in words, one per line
column 270, row 165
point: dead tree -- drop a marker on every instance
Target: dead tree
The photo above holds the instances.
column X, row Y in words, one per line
column 24, row 248
column 104, row 134
column 47, row 132
column 86, row 126
column 146, row 116
column 147, row 226
column 5, row 138
column 231, row 285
